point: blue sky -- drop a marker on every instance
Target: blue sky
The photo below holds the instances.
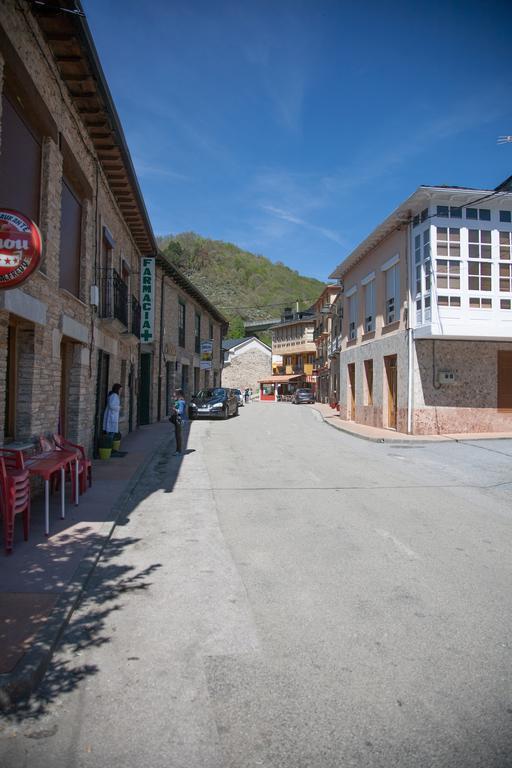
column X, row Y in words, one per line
column 292, row 128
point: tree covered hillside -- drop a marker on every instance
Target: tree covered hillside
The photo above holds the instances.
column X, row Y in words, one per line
column 242, row 285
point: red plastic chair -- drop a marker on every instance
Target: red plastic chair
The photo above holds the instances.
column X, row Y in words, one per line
column 14, row 494
column 84, row 464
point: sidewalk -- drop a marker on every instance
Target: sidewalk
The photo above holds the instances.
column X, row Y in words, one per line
column 379, row 435
column 42, row 580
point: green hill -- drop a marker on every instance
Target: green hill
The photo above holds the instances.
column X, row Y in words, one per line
column 242, row 285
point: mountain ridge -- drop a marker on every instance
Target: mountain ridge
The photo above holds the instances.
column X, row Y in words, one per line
column 244, row 286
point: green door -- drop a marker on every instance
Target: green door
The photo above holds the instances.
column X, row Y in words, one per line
column 145, row 388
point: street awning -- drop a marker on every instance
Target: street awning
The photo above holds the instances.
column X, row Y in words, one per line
column 281, row 379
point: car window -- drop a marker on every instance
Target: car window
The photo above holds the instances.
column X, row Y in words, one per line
column 204, row 394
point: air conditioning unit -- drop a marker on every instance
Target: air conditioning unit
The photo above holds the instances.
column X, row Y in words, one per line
column 446, row 377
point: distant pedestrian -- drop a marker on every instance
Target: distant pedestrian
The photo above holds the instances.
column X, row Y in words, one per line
column 178, row 417
column 111, row 415
column 247, row 394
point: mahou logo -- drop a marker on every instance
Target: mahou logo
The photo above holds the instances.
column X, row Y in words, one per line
column 20, row 248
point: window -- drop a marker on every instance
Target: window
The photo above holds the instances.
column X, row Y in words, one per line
column 424, row 214
column 70, row 239
column 197, row 334
column 369, row 307
column 352, row 312
column 455, row 212
column 479, row 276
column 506, row 216
column 392, row 311
column 442, row 210
column 479, row 243
column 483, row 214
column 506, row 278
column 448, row 242
column 505, row 246
column 210, row 337
column 477, row 303
column 505, row 304
column 448, row 301
column 368, row 375
column 20, row 163
column 448, row 274
column 181, row 324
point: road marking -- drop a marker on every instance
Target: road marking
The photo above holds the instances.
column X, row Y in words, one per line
column 398, row 544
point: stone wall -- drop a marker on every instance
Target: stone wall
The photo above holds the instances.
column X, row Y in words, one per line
column 246, row 369
column 470, row 403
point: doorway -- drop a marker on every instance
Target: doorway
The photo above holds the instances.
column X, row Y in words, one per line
column 66, row 351
column 391, row 376
column 504, row 380
column 101, row 393
column 145, row 388
column 351, row 368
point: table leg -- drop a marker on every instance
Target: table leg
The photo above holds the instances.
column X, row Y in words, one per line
column 62, row 493
column 76, row 482
column 47, row 507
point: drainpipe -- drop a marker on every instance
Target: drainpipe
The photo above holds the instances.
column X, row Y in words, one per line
column 410, row 341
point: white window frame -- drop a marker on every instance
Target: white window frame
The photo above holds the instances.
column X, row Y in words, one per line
column 369, row 306
column 392, row 291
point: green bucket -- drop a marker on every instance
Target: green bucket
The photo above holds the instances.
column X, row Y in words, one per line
column 105, row 453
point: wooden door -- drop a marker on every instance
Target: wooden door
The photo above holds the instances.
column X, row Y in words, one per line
column 391, row 375
column 504, row 380
column 352, row 386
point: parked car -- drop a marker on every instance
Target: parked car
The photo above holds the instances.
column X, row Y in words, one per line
column 240, row 397
column 303, row 396
column 218, row 402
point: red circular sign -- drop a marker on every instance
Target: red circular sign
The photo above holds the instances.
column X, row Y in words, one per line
column 20, row 248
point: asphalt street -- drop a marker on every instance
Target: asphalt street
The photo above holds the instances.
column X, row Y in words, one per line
column 289, row 596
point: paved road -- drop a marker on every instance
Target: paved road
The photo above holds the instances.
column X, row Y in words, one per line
column 293, row 597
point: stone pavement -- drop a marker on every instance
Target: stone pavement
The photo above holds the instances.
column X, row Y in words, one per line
column 378, row 435
column 42, row 580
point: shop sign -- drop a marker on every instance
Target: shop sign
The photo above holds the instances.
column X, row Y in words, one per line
column 20, row 248
column 147, row 292
column 206, row 355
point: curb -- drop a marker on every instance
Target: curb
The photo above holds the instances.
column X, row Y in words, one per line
column 31, row 668
column 400, row 443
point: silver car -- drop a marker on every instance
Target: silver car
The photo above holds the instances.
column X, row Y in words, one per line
column 239, row 397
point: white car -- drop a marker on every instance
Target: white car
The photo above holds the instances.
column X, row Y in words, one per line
column 239, row 397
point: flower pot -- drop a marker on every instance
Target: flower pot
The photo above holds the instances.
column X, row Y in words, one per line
column 116, row 445
column 104, row 453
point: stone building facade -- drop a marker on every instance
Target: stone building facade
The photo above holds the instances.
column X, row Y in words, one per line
column 246, row 362
column 73, row 328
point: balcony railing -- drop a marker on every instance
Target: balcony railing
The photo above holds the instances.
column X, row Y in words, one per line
column 136, row 315
column 334, row 345
column 115, row 298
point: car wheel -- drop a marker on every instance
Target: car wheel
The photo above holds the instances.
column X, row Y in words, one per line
column 225, row 412
column 236, row 411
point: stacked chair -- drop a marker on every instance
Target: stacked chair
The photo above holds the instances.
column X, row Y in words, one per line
column 14, row 494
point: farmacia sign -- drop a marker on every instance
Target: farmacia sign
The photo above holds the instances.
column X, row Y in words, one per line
column 20, row 248
column 147, row 292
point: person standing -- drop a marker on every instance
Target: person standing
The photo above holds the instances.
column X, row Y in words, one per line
column 111, row 415
column 178, row 418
